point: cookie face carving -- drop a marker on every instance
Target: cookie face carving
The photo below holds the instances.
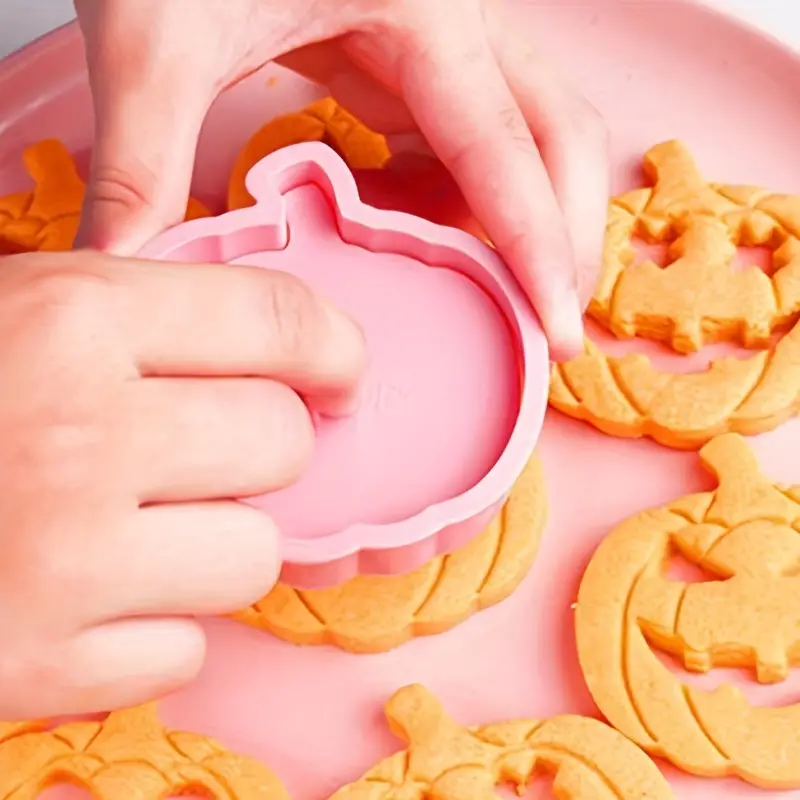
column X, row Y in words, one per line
column 370, row 614
column 696, row 299
column 746, row 534
column 128, row 755
column 446, row 761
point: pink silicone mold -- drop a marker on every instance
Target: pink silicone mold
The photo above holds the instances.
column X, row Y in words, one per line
column 456, row 388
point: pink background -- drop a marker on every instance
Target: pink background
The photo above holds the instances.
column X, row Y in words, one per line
column 656, row 70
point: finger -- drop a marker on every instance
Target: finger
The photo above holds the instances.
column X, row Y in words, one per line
column 181, row 559
column 119, row 665
column 463, row 105
column 572, row 139
column 149, row 106
column 210, row 320
column 201, row 439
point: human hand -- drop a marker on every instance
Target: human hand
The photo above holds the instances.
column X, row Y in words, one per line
column 136, row 404
column 528, row 152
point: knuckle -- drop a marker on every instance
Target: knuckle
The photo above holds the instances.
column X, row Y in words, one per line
column 130, row 189
column 513, row 123
column 56, row 570
column 47, row 581
column 64, row 456
column 587, row 125
column 292, row 313
column 28, row 669
column 65, row 297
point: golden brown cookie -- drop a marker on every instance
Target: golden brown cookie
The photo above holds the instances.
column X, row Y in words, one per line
column 370, row 614
column 449, row 762
column 129, row 755
column 47, row 216
column 746, row 536
column 696, row 299
column 325, row 120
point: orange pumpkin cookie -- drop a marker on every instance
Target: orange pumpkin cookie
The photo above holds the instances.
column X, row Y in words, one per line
column 449, row 762
column 746, row 534
column 128, row 755
column 696, row 299
column 371, row 614
column 325, row 120
column 47, row 217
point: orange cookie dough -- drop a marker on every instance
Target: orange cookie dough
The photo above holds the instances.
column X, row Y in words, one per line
column 128, row 755
column 322, row 121
column 449, row 762
column 47, row 217
column 696, row 299
column 371, row 614
column 746, row 534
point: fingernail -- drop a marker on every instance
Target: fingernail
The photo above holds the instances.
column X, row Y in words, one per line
column 348, row 364
column 565, row 328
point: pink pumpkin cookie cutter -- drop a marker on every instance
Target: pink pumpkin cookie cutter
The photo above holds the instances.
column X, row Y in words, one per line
column 456, row 387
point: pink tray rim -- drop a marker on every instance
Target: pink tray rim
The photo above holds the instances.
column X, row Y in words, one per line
column 268, row 181
column 61, row 35
column 65, row 34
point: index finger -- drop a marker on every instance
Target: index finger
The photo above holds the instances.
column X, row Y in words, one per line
column 206, row 320
column 464, row 107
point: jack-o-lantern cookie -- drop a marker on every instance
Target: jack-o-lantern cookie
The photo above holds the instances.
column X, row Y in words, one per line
column 697, row 298
column 47, row 216
column 128, row 755
column 447, row 761
column 322, row 121
column 746, row 534
column 370, row 614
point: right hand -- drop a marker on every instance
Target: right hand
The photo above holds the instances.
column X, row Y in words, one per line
column 137, row 399
column 464, row 79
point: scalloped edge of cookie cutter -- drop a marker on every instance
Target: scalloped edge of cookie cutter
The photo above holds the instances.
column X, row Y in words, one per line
column 401, row 546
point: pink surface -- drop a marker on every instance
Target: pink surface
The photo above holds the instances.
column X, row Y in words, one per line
column 456, row 385
column 655, row 70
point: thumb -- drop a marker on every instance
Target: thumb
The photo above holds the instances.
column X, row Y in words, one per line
column 149, row 109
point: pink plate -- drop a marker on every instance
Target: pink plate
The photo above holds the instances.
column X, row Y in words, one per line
column 656, row 70
column 456, row 387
